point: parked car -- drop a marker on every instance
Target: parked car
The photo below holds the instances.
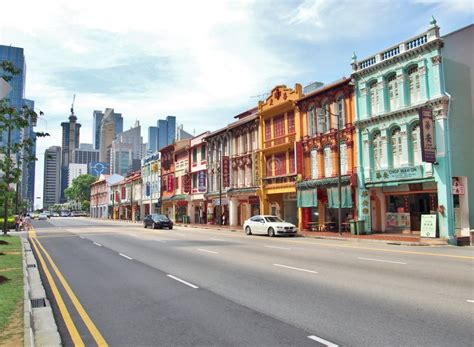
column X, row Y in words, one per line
column 157, row 221
column 54, row 214
column 269, row 225
column 64, row 214
column 47, row 213
column 78, row 214
column 34, row 215
column 42, row 216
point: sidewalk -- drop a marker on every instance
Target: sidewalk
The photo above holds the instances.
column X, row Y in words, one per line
column 399, row 239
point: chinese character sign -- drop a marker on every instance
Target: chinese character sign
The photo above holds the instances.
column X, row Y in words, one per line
column 202, row 181
column 427, row 134
column 225, row 171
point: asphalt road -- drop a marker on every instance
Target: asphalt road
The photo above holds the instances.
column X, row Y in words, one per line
column 182, row 287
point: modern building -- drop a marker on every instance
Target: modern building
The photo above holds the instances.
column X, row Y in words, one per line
column 458, row 65
column 198, row 170
column 162, row 135
column 126, row 151
column 151, row 184
column 181, row 134
column 97, row 117
column 76, row 170
column 100, row 197
column 317, row 190
column 52, row 176
column 16, row 98
column 85, row 154
column 70, row 141
column 280, row 134
column 110, row 126
column 242, row 194
column 404, row 167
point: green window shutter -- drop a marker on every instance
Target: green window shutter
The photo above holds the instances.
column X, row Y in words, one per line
column 307, row 198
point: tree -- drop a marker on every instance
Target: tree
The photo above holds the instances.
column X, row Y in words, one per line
column 13, row 154
column 80, row 190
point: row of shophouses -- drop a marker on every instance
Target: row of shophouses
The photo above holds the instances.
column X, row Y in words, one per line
column 404, row 123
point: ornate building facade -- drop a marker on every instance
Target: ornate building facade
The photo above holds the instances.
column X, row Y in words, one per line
column 323, row 112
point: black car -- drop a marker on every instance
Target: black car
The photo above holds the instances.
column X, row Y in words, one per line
column 159, row 221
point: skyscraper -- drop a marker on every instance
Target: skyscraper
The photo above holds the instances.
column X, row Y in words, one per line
column 17, row 99
column 127, row 147
column 85, row 154
column 70, row 141
column 162, row 135
column 97, row 122
column 52, row 177
column 110, row 126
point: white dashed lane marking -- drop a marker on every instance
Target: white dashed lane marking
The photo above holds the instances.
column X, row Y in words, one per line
column 183, row 281
column 295, row 268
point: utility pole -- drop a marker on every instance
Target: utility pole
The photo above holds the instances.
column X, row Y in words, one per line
column 219, row 171
column 339, row 186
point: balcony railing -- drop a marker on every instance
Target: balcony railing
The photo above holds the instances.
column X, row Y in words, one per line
column 286, row 139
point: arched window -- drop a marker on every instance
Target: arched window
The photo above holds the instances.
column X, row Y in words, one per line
column 414, row 84
column 374, row 98
column 393, row 91
column 323, row 119
column 378, row 152
column 415, row 141
column 397, row 152
column 327, row 162
column 312, row 121
column 341, row 112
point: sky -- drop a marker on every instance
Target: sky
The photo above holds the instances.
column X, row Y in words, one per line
column 201, row 61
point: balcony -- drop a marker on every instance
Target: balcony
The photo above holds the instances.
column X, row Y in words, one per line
column 279, row 182
column 279, row 141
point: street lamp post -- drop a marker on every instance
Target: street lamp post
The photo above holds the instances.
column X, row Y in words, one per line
column 219, row 177
column 339, row 180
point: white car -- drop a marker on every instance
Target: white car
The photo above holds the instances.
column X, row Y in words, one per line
column 43, row 216
column 269, row 225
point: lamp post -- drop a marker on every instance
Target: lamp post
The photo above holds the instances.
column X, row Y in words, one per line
column 219, row 177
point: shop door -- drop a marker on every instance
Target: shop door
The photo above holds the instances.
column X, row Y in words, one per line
column 419, row 204
column 375, row 214
column 290, row 212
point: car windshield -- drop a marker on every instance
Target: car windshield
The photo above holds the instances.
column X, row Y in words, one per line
column 160, row 217
column 273, row 219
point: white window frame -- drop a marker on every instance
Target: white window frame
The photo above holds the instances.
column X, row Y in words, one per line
column 327, row 162
column 377, row 151
column 374, row 98
column 414, row 84
column 393, row 96
column 312, row 121
column 314, row 163
column 416, row 144
column 341, row 112
column 343, row 154
column 397, row 147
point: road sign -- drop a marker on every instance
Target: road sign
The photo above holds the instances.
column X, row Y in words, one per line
column 5, row 88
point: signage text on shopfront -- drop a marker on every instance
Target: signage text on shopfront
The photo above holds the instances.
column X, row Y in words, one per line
column 427, row 134
column 411, row 172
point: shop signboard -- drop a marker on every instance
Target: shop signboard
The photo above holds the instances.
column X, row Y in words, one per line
column 253, row 200
column 404, row 173
column 170, row 183
column 427, row 135
column 458, row 188
column 225, row 171
column 428, row 225
column 202, row 181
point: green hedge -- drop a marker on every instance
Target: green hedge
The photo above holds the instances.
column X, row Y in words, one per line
column 11, row 222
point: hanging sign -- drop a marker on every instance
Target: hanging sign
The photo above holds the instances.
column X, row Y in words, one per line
column 225, row 171
column 458, row 188
column 427, row 134
column 202, row 181
column 428, row 225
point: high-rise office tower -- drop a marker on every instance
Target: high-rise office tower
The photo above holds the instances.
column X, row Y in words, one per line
column 162, row 135
column 110, row 126
column 127, row 147
column 85, row 154
column 70, row 141
column 97, row 123
column 52, row 176
column 17, row 99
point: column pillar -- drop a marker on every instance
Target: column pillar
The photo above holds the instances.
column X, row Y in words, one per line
column 320, row 156
column 233, row 214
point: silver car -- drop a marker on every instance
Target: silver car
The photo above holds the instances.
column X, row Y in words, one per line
column 269, row 225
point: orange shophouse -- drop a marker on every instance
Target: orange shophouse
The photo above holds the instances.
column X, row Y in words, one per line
column 167, row 180
column 317, row 191
column 280, row 131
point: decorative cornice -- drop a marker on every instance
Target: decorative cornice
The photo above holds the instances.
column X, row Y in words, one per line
column 399, row 113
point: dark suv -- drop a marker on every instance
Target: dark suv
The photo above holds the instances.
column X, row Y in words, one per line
column 159, row 221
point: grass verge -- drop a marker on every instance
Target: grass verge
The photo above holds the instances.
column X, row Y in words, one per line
column 11, row 291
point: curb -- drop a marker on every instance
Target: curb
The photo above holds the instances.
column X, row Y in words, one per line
column 40, row 327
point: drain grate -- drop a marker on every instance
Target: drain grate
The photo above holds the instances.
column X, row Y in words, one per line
column 31, row 265
column 35, row 303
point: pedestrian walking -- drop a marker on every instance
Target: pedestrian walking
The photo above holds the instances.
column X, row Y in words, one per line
column 27, row 222
column 17, row 223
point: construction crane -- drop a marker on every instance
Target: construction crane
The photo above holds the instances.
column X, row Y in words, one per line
column 72, row 106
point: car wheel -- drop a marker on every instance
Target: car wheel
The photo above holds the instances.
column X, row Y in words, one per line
column 171, row 228
column 248, row 231
column 271, row 232
column 154, row 225
column 144, row 225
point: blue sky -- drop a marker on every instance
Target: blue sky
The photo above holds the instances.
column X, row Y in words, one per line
column 201, row 61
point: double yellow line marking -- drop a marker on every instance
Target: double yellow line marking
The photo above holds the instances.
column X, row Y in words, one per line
column 76, row 338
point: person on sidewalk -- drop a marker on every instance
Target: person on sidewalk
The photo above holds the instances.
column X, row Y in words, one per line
column 17, row 223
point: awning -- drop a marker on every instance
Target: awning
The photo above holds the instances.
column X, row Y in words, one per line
column 397, row 183
column 307, row 198
column 178, row 197
column 333, row 197
column 332, row 181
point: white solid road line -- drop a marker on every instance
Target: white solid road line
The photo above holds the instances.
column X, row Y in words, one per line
column 182, row 281
column 289, row 249
column 97, row 244
column 295, row 268
column 205, row 250
column 82, row 237
column 323, row 341
column 382, row 261
column 471, row 301
column 158, row 240
column 213, row 239
column 126, row 256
